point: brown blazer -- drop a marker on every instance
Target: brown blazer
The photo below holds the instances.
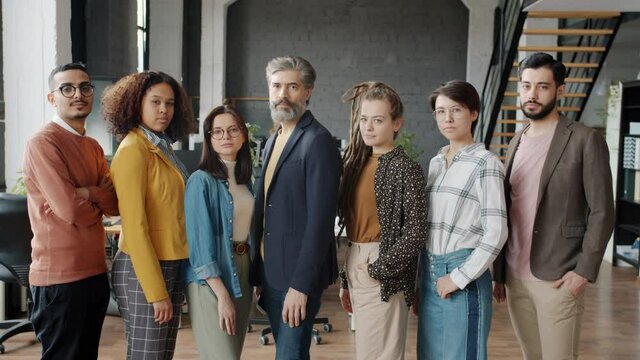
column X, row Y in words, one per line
column 574, row 216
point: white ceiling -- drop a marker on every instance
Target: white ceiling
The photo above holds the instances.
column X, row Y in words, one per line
column 586, row 5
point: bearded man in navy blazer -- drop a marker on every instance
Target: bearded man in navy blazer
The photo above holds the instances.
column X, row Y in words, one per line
column 294, row 257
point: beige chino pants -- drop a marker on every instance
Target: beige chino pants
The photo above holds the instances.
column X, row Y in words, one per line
column 381, row 327
column 546, row 320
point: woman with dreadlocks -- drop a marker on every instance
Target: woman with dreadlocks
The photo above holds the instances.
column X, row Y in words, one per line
column 382, row 205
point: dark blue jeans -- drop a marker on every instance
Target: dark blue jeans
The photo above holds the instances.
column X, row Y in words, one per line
column 68, row 317
column 291, row 343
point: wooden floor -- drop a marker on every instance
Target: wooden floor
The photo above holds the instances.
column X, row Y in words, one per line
column 611, row 329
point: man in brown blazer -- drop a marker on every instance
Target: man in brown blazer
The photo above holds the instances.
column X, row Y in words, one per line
column 560, row 201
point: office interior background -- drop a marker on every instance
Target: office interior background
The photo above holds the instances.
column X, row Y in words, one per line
column 218, row 49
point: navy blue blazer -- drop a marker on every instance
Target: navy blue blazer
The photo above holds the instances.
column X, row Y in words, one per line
column 296, row 217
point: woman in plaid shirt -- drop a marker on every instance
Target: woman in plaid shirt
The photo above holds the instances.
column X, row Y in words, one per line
column 467, row 223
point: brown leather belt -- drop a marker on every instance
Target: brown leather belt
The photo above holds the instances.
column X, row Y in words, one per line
column 240, row 248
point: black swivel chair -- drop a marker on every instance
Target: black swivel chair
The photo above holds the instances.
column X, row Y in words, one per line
column 264, row 339
column 15, row 255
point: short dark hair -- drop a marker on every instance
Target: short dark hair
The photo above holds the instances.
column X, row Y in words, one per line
column 459, row 91
column 122, row 104
column 65, row 67
column 210, row 160
column 539, row 60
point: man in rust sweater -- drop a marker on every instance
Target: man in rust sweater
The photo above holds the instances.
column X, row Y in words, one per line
column 69, row 190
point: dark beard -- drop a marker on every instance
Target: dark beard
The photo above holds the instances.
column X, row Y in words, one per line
column 545, row 110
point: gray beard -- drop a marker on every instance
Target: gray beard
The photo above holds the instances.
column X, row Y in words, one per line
column 283, row 116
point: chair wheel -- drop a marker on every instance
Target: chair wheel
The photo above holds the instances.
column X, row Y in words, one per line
column 317, row 339
column 327, row 327
column 1, row 349
column 263, row 340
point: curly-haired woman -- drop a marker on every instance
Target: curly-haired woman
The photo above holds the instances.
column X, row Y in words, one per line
column 148, row 111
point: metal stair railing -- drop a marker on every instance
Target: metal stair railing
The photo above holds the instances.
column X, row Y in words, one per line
column 509, row 24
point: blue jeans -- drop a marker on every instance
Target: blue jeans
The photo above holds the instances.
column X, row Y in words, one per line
column 291, row 343
column 456, row 328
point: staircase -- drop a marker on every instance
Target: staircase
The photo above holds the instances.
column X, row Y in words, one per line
column 580, row 40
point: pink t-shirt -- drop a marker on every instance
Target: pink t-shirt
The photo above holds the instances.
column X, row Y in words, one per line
column 525, row 182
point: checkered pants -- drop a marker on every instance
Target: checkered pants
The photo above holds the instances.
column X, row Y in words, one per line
column 146, row 339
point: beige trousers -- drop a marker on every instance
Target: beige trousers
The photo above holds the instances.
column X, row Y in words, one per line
column 546, row 320
column 381, row 327
column 212, row 342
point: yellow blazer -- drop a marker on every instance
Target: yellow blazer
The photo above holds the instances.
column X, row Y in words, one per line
column 151, row 201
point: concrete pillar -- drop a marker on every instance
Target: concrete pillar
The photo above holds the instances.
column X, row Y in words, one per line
column 36, row 37
column 213, row 56
column 480, row 40
column 165, row 37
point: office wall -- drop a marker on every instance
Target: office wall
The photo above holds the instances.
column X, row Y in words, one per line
column 412, row 45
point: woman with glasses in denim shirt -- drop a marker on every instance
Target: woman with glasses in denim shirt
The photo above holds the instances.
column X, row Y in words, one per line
column 218, row 210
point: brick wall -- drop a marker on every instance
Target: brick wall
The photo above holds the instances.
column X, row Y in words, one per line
column 412, row 45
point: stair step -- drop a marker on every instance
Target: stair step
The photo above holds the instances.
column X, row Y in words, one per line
column 498, row 146
column 504, row 134
column 512, row 121
column 572, row 65
column 560, row 108
column 573, row 14
column 568, row 32
column 566, row 80
column 565, row 95
column 534, row 48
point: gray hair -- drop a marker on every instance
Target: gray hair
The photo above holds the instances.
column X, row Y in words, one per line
column 284, row 63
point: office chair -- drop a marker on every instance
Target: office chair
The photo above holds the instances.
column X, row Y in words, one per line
column 260, row 319
column 15, row 255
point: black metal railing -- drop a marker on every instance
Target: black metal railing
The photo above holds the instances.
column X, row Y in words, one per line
column 600, row 40
column 509, row 23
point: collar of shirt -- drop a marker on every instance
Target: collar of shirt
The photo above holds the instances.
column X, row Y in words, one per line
column 58, row 120
column 469, row 149
column 155, row 138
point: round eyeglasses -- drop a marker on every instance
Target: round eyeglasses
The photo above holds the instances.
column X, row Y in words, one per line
column 218, row 133
column 456, row 112
column 69, row 91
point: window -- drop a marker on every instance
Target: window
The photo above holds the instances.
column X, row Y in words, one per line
column 143, row 35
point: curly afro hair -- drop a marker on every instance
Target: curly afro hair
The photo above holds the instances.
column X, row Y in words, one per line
column 122, row 104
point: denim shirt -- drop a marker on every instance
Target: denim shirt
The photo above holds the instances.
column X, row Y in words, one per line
column 208, row 207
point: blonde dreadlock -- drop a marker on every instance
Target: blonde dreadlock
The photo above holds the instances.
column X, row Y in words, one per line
column 357, row 152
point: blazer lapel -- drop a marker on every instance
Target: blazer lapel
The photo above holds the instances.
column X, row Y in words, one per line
column 511, row 151
column 156, row 151
column 293, row 139
column 556, row 148
column 289, row 146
